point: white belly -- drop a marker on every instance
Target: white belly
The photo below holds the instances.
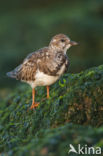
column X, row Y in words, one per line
column 42, row 79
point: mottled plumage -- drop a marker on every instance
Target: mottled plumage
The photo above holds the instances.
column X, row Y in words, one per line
column 42, row 60
column 45, row 66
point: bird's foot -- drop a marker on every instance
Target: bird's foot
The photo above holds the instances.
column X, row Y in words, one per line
column 34, row 105
column 48, row 97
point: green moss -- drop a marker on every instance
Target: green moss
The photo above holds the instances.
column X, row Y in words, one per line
column 76, row 99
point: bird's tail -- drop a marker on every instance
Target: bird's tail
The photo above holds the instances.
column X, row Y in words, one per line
column 11, row 74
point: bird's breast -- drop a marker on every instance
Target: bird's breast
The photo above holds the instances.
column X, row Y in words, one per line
column 61, row 70
column 42, row 79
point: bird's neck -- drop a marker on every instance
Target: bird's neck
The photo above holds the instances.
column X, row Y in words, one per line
column 54, row 49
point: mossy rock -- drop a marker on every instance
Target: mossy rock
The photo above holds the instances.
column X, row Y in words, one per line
column 76, row 99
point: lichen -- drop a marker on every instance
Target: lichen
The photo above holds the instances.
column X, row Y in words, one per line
column 75, row 104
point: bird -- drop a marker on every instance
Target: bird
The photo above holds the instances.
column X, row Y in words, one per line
column 44, row 66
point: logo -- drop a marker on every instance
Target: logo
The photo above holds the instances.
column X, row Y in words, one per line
column 84, row 150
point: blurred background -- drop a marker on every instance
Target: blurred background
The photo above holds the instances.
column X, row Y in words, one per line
column 26, row 26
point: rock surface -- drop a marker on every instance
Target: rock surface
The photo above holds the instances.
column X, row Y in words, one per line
column 72, row 115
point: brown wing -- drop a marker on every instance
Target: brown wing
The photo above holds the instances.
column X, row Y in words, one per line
column 27, row 70
column 47, row 62
column 52, row 63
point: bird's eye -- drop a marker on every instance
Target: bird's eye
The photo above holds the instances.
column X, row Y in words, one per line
column 62, row 40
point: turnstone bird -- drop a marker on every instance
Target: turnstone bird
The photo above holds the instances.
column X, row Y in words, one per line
column 45, row 66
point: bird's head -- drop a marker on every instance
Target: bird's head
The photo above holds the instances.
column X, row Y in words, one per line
column 61, row 42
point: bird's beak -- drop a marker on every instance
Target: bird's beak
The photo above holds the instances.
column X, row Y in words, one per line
column 73, row 43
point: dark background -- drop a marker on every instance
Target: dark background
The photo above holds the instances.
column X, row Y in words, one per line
column 26, row 26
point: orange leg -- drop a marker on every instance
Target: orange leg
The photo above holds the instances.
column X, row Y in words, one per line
column 48, row 92
column 34, row 104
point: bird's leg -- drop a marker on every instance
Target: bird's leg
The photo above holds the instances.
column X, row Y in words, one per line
column 48, row 92
column 34, row 104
